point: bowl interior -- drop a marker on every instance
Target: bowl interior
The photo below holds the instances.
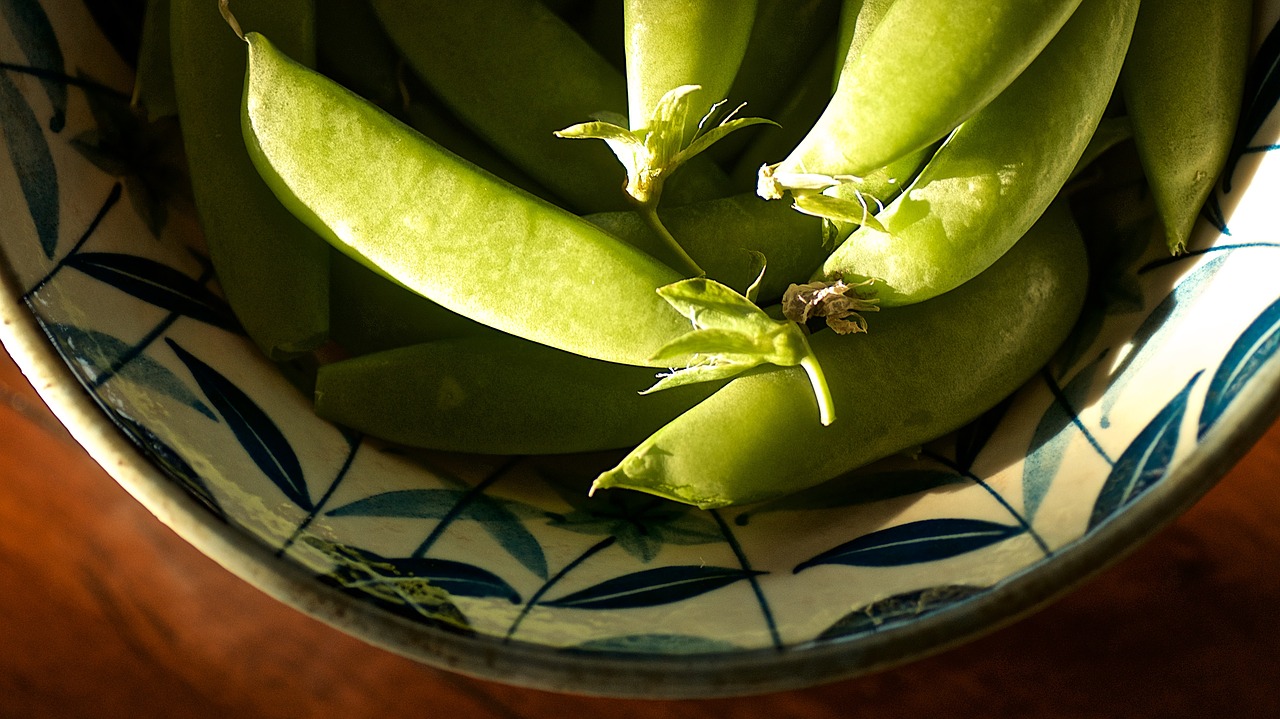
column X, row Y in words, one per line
column 502, row 567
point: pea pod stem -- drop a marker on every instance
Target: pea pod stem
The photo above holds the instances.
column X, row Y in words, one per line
column 821, row 388
column 649, row 211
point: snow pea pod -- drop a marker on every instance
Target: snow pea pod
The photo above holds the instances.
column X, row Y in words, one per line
column 553, row 79
column 785, row 37
column 1183, row 97
column 497, row 394
column 925, row 370
column 369, row 313
column 401, row 204
column 354, row 50
column 721, row 234
column 274, row 271
column 153, row 84
column 923, row 70
column 996, row 173
column 670, row 43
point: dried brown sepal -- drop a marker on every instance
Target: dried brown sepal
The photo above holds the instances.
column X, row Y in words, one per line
column 839, row 303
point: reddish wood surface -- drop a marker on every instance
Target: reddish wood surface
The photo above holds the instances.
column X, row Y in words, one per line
column 104, row 612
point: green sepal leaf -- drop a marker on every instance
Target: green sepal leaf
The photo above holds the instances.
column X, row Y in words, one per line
column 757, row 259
column 696, row 374
column 653, row 152
column 729, row 345
column 838, row 209
column 717, row 133
column 730, row 335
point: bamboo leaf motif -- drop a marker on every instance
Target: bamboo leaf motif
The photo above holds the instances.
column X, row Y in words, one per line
column 30, row 156
column 495, row 517
column 652, row 587
column 261, row 439
column 926, row 540
column 33, row 31
column 157, row 284
column 1256, row 345
column 1145, row 461
column 896, row 609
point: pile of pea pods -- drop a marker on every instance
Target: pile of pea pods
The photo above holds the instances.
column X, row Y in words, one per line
column 758, row 242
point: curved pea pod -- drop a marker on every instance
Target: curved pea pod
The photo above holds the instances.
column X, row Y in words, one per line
column 369, row 313
column 721, row 235
column 802, row 106
column 153, row 84
column 670, row 43
column 441, row 227
column 274, row 271
column 497, row 395
column 355, row 51
column 1183, row 94
column 550, row 78
column 515, row 73
column 924, row 69
column 785, row 37
column 922, row 371
column 996, row 173
column 352, row 49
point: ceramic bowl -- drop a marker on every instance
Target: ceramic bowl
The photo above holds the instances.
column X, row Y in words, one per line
column 502, row 567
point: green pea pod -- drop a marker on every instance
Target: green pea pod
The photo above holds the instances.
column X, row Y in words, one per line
column 924, row 69
column 515, row 72
column 399, row 203
column 925, row 370
column 996, row 173
column 352, row 49
column 153, row 84
column 795, row 115
column 274, row 271
column 369, row 313
column 1183, row 83
column 497, row 395
column 722, row 235
column 785, row 38
column 858, row 196
column 670, row 43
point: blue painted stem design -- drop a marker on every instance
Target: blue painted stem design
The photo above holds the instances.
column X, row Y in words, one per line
column 591, row 551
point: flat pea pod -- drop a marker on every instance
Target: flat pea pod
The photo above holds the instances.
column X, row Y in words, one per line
column 996, row 173
column 153, row 84
column 924, row 69
column 550, row 79
column 785, row 37
column 1183, row 93
column 352, row 48
column 923, row 371
column 274, row 271
column 721, row 235
column 670, row 43
column 795, row 115
column 355, row 51
column 392, row 199
column 369, row 313
column 497, row 395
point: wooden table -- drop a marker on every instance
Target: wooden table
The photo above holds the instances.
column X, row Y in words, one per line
column 106, row 613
